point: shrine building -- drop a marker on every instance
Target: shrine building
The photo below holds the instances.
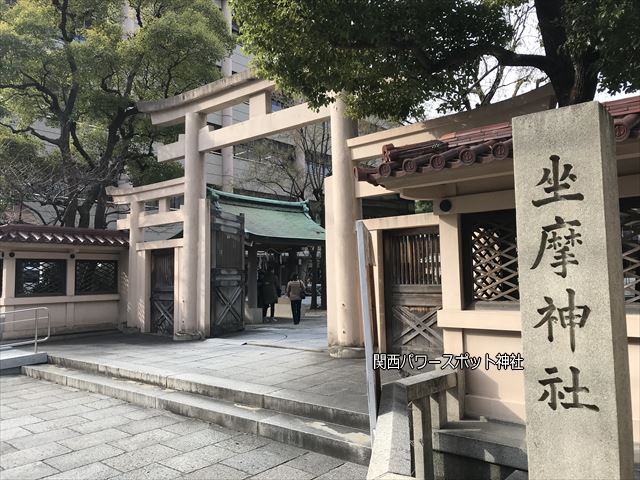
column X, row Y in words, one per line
column 445, row 281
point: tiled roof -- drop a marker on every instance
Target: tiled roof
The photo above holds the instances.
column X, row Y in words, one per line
column 479, row 145
column 22, row 233
column 271, row 221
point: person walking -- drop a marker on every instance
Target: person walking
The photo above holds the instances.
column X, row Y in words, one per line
column 295, row 292
column 259, row 290
column 270, row 290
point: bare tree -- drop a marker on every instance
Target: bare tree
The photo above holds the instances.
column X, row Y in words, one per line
column 493, row 77
column 51, row 184
column 294, row 167
column 495, row 81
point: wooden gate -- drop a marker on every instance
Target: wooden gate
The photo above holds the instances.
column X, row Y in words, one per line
column 227, row 272
column 413, row 292
column 162, row 281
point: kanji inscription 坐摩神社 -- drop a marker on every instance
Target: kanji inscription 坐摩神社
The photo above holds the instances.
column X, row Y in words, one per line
column 571, row 299
column 561, row 237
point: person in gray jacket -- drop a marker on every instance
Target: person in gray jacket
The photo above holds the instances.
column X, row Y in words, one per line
column 295, row 292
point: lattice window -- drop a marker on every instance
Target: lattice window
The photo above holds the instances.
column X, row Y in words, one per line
column 414, row 257
column 40, row 277
column 492, row 256
column 96, row 277
column 630, row 223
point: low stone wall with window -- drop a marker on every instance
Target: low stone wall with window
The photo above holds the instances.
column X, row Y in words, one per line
column 80, row 288
column 484, row 317
column 477, row 265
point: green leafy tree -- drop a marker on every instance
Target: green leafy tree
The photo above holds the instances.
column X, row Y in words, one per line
column 71, row 72
column 393, row 55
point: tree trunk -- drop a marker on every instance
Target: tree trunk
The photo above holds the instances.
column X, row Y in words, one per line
column 575, row 82
column 85, row 209
column 573, row 76
column 69, row 216
column 100, row 220
column 585, row 82
column 85, row 215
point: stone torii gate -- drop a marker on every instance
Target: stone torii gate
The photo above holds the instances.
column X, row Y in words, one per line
column 191, row 315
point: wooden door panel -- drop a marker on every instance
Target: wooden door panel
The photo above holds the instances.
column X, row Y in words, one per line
column 413, row 293
column 162, row 286
column 227, row 273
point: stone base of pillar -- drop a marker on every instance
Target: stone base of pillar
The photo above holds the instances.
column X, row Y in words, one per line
column 129, row 330
column 187, row 336
column 339, row 351
column 252, row 315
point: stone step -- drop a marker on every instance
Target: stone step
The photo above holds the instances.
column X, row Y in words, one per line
column 339, row 441
column 11, row 359
column 346, row 410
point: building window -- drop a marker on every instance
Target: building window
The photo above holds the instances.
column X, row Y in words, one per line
column 630, row 223
column 413, row 257
column 96, row 277
column 40, row 278
column 490, row 254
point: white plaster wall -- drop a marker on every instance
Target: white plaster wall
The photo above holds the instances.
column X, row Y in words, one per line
column 499, row 394
column 68, row 313
column 67, row 316
column 495, row 394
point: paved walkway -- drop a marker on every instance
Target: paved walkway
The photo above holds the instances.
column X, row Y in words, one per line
column 311, row 334
column 53, row 431
column 287, row 357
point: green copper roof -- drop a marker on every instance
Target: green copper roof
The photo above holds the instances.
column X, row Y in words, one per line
column 271, row 220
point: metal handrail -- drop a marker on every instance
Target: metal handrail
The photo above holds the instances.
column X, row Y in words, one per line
column 37, row 318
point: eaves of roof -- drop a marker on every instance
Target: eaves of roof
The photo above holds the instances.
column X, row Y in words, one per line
column 477, row 146
column 45, row 234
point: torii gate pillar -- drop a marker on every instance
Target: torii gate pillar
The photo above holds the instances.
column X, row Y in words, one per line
column 194, row 192
column 344, row 322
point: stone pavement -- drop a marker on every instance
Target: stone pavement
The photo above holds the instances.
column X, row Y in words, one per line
column 280, row 355
column 53, row 431
column 310, row 335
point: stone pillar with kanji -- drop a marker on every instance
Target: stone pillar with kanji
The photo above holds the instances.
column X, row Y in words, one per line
column 578, row 400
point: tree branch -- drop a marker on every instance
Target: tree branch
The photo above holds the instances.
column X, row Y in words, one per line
column 32, row 131
column 47, row 92
column 62, row 8
column 105, row 87
column 508, row 58
column 78, row 145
